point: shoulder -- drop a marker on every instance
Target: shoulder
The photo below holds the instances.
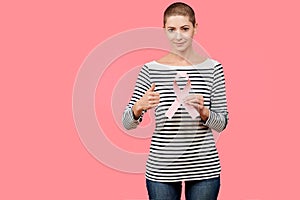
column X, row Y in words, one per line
column 149, row 66
column 214, row 63
column 155, row 65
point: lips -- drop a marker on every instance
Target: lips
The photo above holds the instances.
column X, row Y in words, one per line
column 180, row 43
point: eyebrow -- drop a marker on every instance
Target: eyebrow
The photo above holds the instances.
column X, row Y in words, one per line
column 180, row 27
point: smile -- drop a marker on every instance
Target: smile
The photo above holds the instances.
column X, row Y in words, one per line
column 181, row 43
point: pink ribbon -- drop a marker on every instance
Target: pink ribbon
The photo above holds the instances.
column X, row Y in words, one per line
column 180, row 95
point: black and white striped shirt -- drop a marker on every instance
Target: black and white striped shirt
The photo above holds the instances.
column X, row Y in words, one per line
column 182, row 148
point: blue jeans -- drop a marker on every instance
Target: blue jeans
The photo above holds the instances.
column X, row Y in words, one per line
column 194, row 190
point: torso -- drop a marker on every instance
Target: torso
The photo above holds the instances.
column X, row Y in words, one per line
column 181, row 148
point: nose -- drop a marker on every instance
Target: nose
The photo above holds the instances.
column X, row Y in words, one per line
column 178, row 35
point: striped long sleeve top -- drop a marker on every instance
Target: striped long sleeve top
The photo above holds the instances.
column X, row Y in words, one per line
column 182, row 147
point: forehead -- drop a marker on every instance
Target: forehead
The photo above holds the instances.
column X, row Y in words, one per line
column 178, row 20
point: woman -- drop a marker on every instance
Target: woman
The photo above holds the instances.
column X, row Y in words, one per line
column 188, row 94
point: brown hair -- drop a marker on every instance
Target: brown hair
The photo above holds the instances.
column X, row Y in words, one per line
column 182, row 9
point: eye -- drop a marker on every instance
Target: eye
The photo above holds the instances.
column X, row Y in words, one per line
column 170, row 30
column 186, row 28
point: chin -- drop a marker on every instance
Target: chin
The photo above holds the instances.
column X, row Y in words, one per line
column 180, row 49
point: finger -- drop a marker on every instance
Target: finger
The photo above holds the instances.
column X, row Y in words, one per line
column 200, row 107
column 150, row 98
column 192, row 103
column 194, row 100
column 153, row 98
column 189, row 97
column 151, row 89
column 153, row 105
column 154, row 101
column 199, row 96
column 196, row 105
column 153, row 93
column 193, row 96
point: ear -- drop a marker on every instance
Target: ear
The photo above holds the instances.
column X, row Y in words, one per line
column 196, row 28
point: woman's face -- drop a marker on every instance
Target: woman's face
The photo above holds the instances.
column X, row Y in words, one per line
column 180, row 32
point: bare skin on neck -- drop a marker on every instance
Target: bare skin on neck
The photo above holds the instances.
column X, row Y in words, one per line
column 174, row 59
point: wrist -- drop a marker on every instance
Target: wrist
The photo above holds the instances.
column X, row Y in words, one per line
column 137, row 110
column 204, row 114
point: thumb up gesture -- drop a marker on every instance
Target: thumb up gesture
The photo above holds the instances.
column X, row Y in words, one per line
column 149, row 100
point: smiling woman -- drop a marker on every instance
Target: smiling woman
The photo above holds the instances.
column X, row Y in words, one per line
column 187, row 92
column 180, row 25
column 180, row 32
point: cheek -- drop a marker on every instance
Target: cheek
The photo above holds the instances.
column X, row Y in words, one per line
column 188, row 35
column 170, row 36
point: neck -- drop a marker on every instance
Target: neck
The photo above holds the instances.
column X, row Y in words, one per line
column 182, row 56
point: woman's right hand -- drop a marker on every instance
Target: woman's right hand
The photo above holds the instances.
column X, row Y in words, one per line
column 149, row 100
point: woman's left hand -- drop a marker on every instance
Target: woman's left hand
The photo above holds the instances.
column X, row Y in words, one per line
column 197, row 101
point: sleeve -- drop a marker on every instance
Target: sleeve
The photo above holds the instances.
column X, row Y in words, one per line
column 141, row 86
column 218, row 114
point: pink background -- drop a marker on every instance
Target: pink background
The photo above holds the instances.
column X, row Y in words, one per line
column 43, row 46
